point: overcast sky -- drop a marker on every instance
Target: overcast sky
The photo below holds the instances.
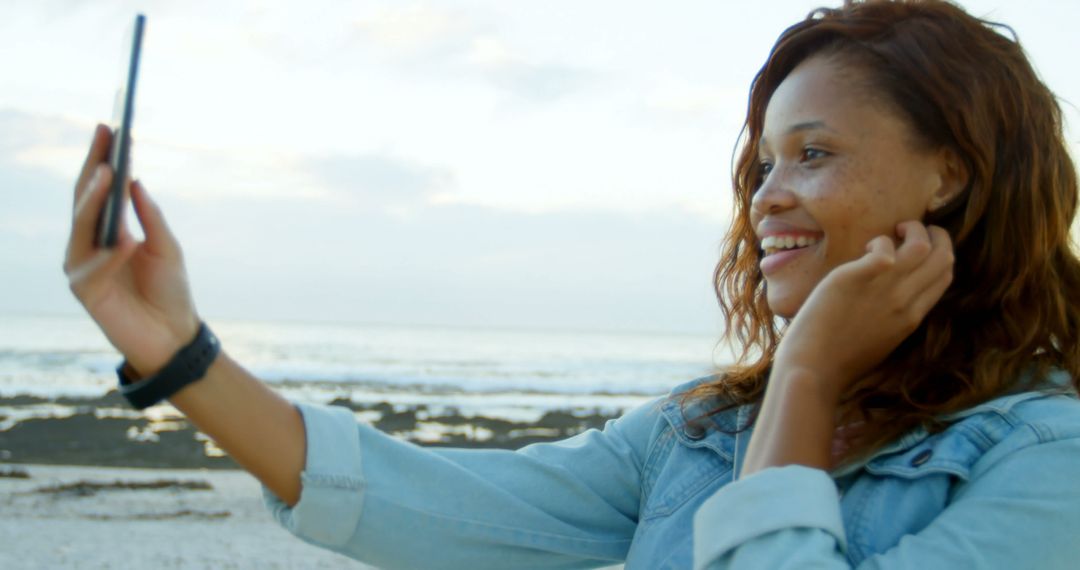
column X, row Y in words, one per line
column 558, row 164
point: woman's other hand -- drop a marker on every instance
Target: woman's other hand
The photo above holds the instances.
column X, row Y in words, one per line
column 137, row 292
column 865, row 308
column 852, row 320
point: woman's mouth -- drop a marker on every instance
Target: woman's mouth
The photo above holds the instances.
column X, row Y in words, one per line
column 774, row 244
column 781, row 250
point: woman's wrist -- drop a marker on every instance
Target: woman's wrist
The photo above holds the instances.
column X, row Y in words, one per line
column 187, row 366
column 147, row 361
column 814, row 382
column 796, row 423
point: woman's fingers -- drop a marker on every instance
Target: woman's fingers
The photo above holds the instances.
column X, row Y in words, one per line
column 911, row 277
column 940, row 239
column 84, row 220
column 880, row 254
column 924, row 273
column 159, row 239
column 927, row 298
column 937, row 266
column 923, row 254
column 936, row 277
column 893, row 286
column 83, row 276
column 914, row 244
column 98, row 153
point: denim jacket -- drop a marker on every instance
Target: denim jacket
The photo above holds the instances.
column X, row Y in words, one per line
column 999, row 488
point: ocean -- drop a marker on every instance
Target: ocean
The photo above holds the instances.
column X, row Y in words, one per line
column 513, row 374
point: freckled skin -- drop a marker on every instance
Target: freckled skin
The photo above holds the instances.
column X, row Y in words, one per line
column 854, row 178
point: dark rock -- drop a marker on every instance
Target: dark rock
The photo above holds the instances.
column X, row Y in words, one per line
column 13, row 472
column 83, row 439
column 397, row 421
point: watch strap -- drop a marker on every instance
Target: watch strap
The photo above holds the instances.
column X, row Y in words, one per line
column 189, row 364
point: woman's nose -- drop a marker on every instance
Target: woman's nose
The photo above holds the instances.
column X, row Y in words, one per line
column 772, row 196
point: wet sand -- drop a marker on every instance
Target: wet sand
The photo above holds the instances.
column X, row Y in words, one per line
column 106, row 432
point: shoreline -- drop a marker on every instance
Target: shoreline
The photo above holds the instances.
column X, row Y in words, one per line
column 106, row 432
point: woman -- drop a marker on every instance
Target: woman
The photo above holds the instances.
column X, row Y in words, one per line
column 898, row 274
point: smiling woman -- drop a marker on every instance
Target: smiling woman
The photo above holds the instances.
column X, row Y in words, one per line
column 860, row 122
column 840, row 168
column 899, row 278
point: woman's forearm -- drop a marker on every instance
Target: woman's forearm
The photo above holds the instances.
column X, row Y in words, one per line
column 258, row 428
column 796, row 423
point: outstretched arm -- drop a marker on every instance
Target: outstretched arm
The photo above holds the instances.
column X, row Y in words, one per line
column 138, row 294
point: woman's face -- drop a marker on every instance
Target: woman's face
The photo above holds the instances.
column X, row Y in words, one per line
column 841, row 169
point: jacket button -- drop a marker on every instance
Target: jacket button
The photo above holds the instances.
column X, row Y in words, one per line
column 693, row 431
column 922, row 457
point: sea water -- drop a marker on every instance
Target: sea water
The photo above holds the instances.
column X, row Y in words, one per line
column 500, row 372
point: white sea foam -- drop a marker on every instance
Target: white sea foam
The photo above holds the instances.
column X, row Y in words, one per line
column 469, row 369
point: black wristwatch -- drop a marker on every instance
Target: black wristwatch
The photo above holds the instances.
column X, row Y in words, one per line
column 187, row 366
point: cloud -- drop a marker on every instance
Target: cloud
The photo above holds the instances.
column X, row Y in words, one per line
column 35, row 208
column 40, row 156
column 494, row 60
column 675, row 98
column 34, row 205
column 377, row 179
column 354, row 181
column 51, row 142
column 415, row 30
column 20, row 130
column 277, row 234
column 456, row 264
column 459, row 45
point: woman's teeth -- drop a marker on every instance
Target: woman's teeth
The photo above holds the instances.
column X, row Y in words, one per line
column 772, row 244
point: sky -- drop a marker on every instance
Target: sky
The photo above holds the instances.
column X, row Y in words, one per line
column 560, row 164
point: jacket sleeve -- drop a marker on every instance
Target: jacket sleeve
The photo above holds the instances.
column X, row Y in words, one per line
column 1020, row 512
column 386, row 502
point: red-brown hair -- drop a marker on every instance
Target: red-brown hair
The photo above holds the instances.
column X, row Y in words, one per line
column 1014, row 305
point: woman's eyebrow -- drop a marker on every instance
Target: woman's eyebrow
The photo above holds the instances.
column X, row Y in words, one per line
column 804, row 126
column 808, row 126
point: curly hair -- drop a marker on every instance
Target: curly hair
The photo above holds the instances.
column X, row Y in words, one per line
column 1013, row 311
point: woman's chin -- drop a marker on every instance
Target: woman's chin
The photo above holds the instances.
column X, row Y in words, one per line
column 784, row 306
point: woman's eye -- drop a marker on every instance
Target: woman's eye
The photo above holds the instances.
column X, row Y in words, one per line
column 810, row 153
column 764, row 168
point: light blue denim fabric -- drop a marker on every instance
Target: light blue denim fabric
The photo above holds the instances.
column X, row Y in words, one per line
column 1000, row 488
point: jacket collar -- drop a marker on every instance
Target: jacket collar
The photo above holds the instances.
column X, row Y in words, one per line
column 1057, row 382
column 720, row 436
column 689, row 422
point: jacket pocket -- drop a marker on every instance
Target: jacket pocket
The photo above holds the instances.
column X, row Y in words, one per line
column 901, row 494
column 687, row 472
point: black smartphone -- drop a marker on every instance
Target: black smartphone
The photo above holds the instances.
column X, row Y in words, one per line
column 108, row 226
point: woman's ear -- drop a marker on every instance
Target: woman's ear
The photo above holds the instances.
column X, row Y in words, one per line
column 954, row 178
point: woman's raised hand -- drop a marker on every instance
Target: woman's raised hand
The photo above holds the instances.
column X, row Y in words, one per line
column 850, row 322
column 865, row 308
column 137, row 292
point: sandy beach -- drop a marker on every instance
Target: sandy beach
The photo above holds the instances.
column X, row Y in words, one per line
column 107, row 517
column 90, row 483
